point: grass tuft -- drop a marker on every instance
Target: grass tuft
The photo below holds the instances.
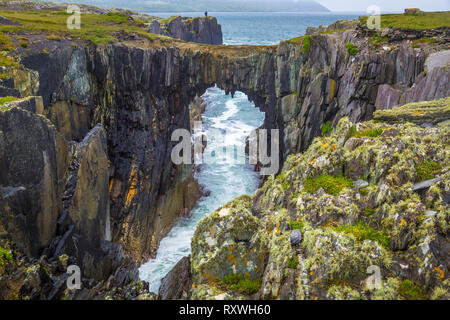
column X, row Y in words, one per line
column 245, row 285
column 351, row 49
column 7, row 99
column 427, row 170
column 327, row 128
column 331, row 185
column 362, row 231
column 410, row 290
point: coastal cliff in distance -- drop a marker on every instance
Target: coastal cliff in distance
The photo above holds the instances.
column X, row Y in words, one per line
column 212, row 5
column 90, row 181
column 204, row 30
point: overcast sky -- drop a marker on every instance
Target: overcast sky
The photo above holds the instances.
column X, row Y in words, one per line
column 385, row 5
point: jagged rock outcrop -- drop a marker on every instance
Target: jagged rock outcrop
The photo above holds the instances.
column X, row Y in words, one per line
column 335, row 26
column 33, row 160
column 349, row 228
column 54, row 200
column 203, row 30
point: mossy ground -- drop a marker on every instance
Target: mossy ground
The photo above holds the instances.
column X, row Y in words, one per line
column 242, row 284
column 410, row 290
column 362, row 232
column 427, row 170
column 351, row 49
column 331, row 185
column 5, row 256
column 372, row 133
column 4, row 100
column 99, row 29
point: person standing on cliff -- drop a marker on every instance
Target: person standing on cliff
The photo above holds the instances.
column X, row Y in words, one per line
column 206, row 13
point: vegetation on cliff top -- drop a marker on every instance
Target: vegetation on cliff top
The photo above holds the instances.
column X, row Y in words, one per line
column 4, row 100
column 430, row 20
column 99, row 29
column 331, row 185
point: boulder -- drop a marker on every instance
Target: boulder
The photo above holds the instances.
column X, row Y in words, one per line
column 228, row 242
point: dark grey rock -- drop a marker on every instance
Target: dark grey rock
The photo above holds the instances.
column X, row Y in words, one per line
column 425, row 184
column 203, row 30
column 296, row 237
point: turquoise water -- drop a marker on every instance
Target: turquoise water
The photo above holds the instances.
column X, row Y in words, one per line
column 265, row 28
column 227, row 178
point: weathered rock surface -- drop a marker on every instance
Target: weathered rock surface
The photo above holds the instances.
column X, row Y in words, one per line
column 335, row 26
column 203, row 30
column 54, row 200
column 348, row 233
column 32, row 158
column 177, row 284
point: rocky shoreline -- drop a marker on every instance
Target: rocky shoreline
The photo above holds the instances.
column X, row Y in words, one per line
column 85, row 150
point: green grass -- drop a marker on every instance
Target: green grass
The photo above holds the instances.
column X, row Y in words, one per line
column 327, row 128
column 370, row 133
column 430, row 20
column 296, row 225
column 377, row 39
column 7, row 61
column 364, row 192
column 331, row 185
column 5, row 256
column 96, row 28
column 351, row 49
column 410, row 290
column 5, row 43
column 53, row 37
column 427, row 170
column 242, row 284
column 293, row 263
column 306, row 44
column 303, row 40
column 362, row 231
column 368, row 212
column 7, row 99
column 334, row 31
column 286, row 186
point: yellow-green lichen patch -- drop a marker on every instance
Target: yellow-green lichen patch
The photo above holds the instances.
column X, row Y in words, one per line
column 362, row 232
column 4, row 100
column 417, row 112
column 410, row 290
column 427, row 170
column 331, row 185
column 242, row 283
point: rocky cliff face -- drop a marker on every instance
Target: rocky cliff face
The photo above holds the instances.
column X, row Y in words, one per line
column 203, row 30
column 139, row 90
column 141, row 94
column 353, row 204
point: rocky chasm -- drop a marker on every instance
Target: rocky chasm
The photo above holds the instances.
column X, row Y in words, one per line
column 93, row 183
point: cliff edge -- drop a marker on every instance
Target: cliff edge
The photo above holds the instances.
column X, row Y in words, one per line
column 203, row 30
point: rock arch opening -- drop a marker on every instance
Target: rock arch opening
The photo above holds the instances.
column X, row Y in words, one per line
column 227, row 122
